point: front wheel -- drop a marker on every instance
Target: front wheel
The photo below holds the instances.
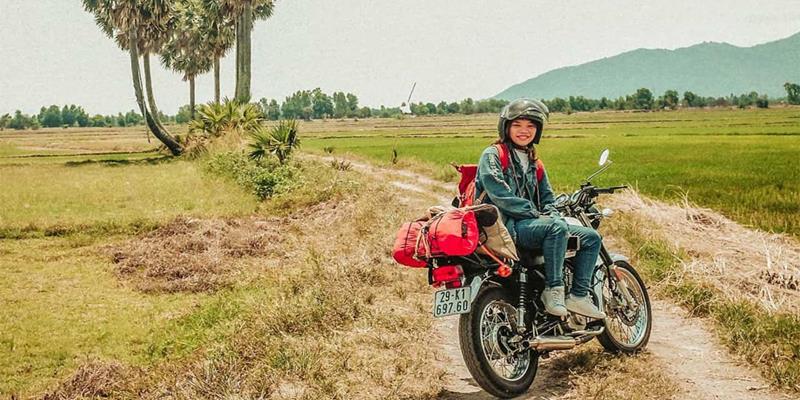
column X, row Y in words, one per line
column 484, row 335
column 629, row 319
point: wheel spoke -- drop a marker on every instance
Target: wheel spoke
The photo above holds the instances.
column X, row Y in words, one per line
column 495, row 320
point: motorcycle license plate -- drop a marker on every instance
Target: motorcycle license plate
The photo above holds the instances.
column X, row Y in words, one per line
column 452, row 301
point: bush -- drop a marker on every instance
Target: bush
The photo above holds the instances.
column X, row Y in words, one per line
column 264, row 178
column 217, row 118
column 279, row 141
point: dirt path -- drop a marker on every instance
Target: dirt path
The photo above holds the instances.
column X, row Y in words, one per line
column 684, row 347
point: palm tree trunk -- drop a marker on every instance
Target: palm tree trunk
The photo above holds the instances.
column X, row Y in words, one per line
column 191, row 95
column 216, row 80
column 173, row 146
column 148, row 85
column 244, row 27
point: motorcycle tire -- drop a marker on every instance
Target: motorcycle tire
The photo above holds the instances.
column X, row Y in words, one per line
column 608, row 338
column 475, row 355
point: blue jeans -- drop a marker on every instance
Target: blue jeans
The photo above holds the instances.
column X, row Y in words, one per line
column 550, row 235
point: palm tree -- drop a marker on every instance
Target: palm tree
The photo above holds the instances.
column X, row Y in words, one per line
column 218, row 36
column 187, row 51
column 125, row 20
column 189, row 61
column 152, row 37
column 243, row 13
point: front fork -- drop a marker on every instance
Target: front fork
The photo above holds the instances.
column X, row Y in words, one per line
column 617, row 285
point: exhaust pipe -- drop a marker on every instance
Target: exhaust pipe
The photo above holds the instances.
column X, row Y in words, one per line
column 548, row 343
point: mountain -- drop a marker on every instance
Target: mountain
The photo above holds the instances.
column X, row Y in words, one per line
column 707, row 69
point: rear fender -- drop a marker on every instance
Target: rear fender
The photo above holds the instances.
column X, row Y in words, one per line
column 478, row 281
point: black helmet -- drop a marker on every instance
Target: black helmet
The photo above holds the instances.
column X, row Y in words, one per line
column 533, row 110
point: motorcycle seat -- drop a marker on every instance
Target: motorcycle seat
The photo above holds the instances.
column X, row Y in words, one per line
column 530, row 256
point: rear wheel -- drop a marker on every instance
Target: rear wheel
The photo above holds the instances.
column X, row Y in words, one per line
column 630, row 319
column 484, row 335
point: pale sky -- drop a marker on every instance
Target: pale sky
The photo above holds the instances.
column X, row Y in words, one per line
column 51, row 52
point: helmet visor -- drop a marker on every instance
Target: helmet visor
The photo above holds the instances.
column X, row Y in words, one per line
column 524, row 110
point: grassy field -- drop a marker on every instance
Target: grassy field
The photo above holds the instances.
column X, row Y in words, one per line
column 743, row 163
column 74, row 200
column 67, row 194
column 130, row 274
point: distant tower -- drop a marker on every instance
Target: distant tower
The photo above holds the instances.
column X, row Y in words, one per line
column 405, row 108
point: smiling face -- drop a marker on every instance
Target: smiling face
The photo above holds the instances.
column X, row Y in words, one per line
column 522, row 132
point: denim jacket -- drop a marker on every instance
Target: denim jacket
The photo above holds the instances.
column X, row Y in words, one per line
column 506, row 192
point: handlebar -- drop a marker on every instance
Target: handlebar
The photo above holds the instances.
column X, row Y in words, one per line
column 609, row 190
column 586, row 195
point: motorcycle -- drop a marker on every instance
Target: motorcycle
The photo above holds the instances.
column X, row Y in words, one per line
column 503, row 328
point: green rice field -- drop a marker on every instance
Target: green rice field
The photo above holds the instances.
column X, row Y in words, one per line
column 744, row 163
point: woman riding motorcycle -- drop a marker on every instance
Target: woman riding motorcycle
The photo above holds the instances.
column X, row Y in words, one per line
column 528, row 211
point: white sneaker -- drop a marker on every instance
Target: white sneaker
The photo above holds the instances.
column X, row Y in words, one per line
column 553, row 299
column 584, row 306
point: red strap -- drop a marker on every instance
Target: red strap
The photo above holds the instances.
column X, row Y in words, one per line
column 539, row 170
column 502, row 151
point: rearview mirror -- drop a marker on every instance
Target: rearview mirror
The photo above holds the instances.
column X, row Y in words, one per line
column 604, row 157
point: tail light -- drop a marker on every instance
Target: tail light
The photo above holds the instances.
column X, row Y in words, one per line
column 452, row 276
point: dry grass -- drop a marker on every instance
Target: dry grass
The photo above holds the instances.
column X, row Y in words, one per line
column 92, row 379
column 716, row 269
column 194, row 255
column 591, row 373
column 742, row 263
column 336, row 319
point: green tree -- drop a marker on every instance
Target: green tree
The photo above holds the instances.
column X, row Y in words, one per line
column 689, row 99
column 352, row 105
column 4, row 121
column 123, row 20
column 219, row 35
column 298, row 106
column 453, row 108
column 133, row 118
column 364, row 112
column 792, row 92
column 98, row 121
column 558, row 105
column 68, row 115
column 467, row 106
column 20, row 121
column 431, row 108
column 81, row 117
column 243, row 13
column 419, row 108
column 184, row 114
column 671, row 99
column 643, row 99
column 270, row 109
column 186, row 50
column 321, row 104
column 340, row 106
column 441, row 108
column 50, row 117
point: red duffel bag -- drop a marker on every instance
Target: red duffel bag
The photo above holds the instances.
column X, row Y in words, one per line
column 451, row 233
column 405, row 245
